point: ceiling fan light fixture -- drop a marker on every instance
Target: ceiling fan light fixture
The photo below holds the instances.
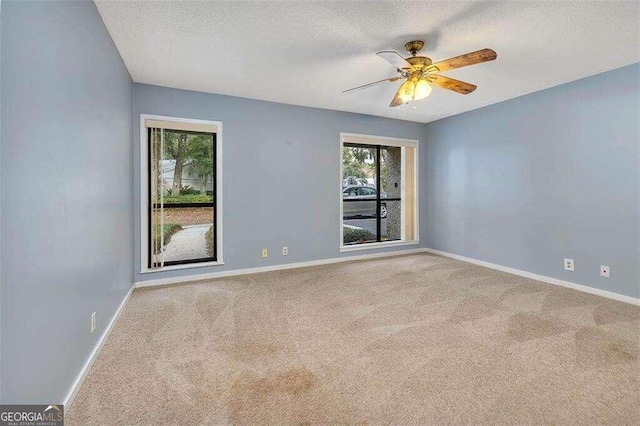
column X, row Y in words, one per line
column 422, row 90
column 407, row 91
column 414, row 90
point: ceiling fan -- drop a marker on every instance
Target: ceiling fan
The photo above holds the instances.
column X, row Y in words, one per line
column 419, row 72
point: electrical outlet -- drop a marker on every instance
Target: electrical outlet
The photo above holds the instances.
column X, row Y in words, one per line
column 265, row 252
column 604, row 271
column 568, row 264
column 285, row 251
column 93, row 322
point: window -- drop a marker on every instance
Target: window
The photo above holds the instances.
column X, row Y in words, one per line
column 181, row 214
column 378, row 181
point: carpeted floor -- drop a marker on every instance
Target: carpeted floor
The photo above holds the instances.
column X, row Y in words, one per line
column 417, row 339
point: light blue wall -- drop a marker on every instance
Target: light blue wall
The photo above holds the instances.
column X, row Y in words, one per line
column 280, row 170
column 66, row 184
column 530, row 181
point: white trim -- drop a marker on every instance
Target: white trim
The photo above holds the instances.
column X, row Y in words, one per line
column 371, row 246
column 144, row 196
column 199, row 277
column 416, row 196
column 386, row 141
column 75, row 387
column 377, row 140
column 403, row 191
column 543, row 278
column 340, row 189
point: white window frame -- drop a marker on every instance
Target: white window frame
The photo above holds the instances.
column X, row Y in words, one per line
column 145, row 201
column 386, row 141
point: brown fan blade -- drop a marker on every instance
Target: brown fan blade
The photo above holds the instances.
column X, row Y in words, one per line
column 396, row 99
column 395, row 59
column 451, row 84
column 472, row 58
column 392, row 79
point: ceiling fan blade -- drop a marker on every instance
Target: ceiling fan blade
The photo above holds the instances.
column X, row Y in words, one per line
column 472, row 58
column 451, row 84
column 392, row 79
column 397, row 101
column 395, row 59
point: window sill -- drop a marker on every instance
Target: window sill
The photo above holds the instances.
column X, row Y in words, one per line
column 179, row 267
column 371, row 246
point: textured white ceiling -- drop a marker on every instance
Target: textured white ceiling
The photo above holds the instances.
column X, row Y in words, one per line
column 307, row 53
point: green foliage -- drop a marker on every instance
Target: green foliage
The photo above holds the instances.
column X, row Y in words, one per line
column 202, row 160
column 187, row 190
column 350, row 166
column 359, row 163
column 357, row 235
column 209, row 237
column 169, row 230
column 194, row 197
column 196, row 150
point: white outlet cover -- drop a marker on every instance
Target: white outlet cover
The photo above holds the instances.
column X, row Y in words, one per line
column 604, row 271
column 568, row 264
column 265, row 252
column 93, row 322
column 285, row 251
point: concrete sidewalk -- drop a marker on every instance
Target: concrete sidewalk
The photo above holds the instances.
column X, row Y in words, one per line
column 189, row 243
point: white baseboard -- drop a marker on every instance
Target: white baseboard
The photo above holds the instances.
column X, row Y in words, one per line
column 221, row 274
column 94, row 354
column 543, row 278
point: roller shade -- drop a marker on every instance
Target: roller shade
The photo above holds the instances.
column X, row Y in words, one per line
column 178, row 125
column 377, row 140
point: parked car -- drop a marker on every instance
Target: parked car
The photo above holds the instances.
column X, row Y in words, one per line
column 360, row 201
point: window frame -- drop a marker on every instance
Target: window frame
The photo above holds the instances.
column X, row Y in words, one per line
column 145, row 196
column 355, row 139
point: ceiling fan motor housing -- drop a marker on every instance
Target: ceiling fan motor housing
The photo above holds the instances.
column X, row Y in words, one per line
column 419, row 63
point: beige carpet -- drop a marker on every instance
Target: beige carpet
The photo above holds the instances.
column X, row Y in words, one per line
column 418, row 339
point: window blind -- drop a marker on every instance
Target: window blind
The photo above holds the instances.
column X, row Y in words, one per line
column 156, row 195
column 178, row 125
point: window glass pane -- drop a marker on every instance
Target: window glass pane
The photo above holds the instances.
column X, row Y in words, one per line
column 391, row 171
column 391, row 220
column 391, row 184
column 359, row 222
column 187, row 168
column 358, row 165
column 188, row 233
column 359, row 195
